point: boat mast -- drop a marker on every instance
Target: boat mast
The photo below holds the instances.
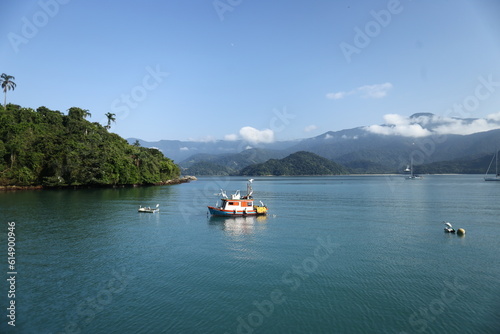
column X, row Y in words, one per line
column 496, row 164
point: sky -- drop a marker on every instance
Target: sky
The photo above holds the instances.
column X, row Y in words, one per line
column 257, row 70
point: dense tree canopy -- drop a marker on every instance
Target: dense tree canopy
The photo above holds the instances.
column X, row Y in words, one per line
column 46, row 147
column 299, row 163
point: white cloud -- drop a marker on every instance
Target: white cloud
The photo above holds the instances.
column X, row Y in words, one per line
column 336, row 96
column 205, row 139
column 422, row 126
column 184, row 148
column 408, row 130
column 349, row 137
column 494, row 117
column 310, row 128
column 254, row 136
column 461, row 127
column 376, row 91
column 231, row 137
column 399, row 125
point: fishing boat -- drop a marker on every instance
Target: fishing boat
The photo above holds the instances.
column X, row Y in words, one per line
column 497, row 175
column 238, row 205
column 410, row 169
column 149, row 209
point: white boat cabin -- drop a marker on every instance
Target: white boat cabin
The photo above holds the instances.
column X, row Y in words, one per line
column 237, row 204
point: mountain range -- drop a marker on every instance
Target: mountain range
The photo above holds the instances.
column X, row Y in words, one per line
column 427, row 139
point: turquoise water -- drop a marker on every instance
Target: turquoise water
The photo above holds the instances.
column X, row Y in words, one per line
column 347, row 254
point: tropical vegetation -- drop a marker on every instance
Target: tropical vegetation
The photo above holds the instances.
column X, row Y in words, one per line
column 46, row 147
column 7, row 83
column 299, row 163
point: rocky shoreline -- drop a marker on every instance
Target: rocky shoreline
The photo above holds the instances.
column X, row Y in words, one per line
column 180, row 180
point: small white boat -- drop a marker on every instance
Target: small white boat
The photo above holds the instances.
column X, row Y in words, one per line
column 149, row 209
column 448, row 228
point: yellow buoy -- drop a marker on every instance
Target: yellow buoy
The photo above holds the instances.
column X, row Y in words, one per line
column 460, row 231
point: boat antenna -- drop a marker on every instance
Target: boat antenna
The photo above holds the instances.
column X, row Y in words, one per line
column 249, row 188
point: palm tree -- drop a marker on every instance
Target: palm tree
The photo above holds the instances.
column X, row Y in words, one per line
column 7, row 84
column 111, row 118
column 78, row 113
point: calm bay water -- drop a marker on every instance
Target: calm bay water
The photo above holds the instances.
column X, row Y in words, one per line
column 347, row 254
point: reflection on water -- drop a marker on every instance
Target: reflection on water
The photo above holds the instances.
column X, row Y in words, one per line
column 149, row 217
column 237, row 226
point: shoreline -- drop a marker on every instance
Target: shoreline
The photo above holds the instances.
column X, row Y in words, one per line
column 184, row 179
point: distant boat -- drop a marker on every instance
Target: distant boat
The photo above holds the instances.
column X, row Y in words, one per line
column 497, row 175
column 410, row 169
column 238, row 205
column 448, row 228
column 149, row 209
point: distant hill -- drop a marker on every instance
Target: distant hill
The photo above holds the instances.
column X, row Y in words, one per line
column 460, row 166
column 225, row 164
column 209, row 169
column 182, row 151
column 299, row 163
column 359, row 149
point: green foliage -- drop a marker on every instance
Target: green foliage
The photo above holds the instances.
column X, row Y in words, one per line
column 472, row 165
column 46, row 147
column 299, row 163
column 209, row 168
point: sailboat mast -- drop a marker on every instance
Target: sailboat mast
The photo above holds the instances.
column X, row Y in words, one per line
column 496, row 163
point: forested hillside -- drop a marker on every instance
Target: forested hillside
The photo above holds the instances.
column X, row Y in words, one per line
column 46, row 147
column 299, row 163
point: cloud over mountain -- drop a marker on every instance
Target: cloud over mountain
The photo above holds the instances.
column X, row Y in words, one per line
column 310, row 128
column 252, row 135
column 422, row 125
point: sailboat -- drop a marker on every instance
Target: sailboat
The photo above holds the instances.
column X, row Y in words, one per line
column 410, row 169
column 497, row 175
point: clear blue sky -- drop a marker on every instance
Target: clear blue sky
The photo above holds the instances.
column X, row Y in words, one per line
column 281, row 69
